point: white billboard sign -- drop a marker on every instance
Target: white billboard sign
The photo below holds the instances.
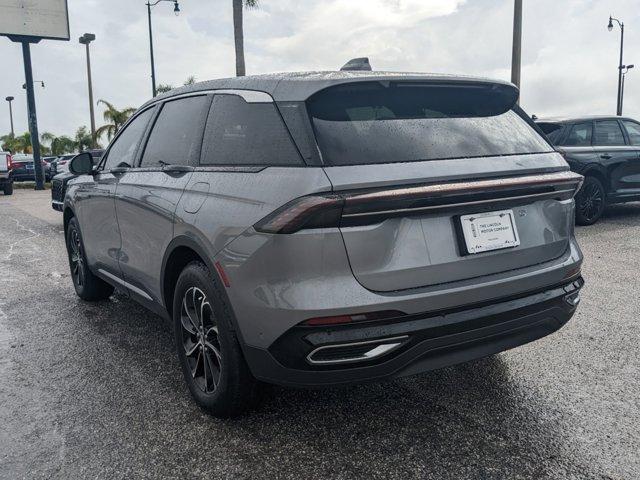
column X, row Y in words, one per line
column 34, row 19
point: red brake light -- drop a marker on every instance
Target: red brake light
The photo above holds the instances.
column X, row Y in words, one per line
column 359, row 317
column 9, row 164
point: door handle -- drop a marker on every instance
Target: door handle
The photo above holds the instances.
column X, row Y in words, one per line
column 177, row 169
column 605, row 156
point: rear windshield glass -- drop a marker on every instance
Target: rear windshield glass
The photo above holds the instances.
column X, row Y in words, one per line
column 386, row 122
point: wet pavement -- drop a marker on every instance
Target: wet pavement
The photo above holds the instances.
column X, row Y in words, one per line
column 95, row 391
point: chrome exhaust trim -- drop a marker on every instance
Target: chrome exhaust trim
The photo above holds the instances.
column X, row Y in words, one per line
column 379, row 347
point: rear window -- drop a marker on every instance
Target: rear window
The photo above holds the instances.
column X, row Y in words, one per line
column 551, row 130
column 387, row 122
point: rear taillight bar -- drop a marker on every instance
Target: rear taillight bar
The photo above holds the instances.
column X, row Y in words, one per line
column 369, row 206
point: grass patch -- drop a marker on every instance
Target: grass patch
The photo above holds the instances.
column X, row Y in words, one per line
column 29, row 185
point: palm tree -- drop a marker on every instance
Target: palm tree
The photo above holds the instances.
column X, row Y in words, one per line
column 58, row 145
column 83, row 140
column 19, row 144
column 166, row 87
column 238, row 32
column 115, row 119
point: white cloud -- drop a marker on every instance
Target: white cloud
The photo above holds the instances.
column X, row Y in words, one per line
column 569, row 57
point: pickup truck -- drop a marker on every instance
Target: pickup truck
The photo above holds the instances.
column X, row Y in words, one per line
column 6, row 180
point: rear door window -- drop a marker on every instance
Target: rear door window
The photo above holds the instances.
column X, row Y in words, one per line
column 579, row 135
column 387, row 122
column 633, row 130
column 608, row 133
column 241, row 133
column 177, row 133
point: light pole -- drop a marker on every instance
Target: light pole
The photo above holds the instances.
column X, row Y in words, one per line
column 85, row 40
column 176, row 10
column 620, row 66
column 9, row 100
column 516, row 53
column 624, row 74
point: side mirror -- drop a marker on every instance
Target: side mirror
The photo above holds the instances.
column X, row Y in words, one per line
column 81, row 164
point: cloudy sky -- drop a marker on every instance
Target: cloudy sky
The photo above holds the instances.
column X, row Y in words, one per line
column 569, row 57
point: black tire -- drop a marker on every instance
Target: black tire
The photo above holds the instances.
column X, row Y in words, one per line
column 590, row 201
column 8, row 188
column 87, row 285
column 208, row 349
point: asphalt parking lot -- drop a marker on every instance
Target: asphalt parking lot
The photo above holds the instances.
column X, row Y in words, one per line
column 95, row 391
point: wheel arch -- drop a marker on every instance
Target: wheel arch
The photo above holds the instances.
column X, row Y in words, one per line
column 600, row 173
column 67, row 215
column 180, row 252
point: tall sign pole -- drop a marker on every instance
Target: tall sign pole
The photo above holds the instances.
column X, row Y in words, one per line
column 28, row 22
column 516, row 54
column 33, row 118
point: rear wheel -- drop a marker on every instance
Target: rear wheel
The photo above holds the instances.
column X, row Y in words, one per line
column 208, row 350
column 8, row 188
column 590, row 201
column 87, row 285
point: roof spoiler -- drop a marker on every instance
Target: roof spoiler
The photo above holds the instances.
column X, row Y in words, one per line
column 357, row 64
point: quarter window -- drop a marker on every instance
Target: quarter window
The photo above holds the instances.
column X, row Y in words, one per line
column 608, row 133
column 177, row 133
column 580, row 135
column 123, row 149
column 633, row 130
column 241, row 133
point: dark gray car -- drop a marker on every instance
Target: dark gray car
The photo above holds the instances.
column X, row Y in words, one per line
column 327, row 228
column 606, row 151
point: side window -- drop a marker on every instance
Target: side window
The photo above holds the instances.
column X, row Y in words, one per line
column 608, row 133
column 579, row 135
column 124, row 148
column 241, row 133
column 177, row 133
column 633, row 130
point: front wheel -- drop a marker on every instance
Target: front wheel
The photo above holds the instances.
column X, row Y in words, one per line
column 87, row 285
column 590, row 201
column 208, row 350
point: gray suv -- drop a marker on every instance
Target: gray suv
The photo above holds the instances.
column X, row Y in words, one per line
column 328, row 228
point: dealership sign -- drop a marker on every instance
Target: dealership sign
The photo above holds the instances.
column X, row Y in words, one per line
column 34, row 19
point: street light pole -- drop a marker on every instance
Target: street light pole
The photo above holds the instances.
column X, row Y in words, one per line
column 516, row 54
column 86, row 39
column 9, row 100
column 176, row 9
column 624, row 75
column 620, row 66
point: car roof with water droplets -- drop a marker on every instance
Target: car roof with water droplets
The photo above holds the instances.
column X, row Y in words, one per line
column 299, row 86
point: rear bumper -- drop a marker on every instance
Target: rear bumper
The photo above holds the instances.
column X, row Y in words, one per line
column 429, row 341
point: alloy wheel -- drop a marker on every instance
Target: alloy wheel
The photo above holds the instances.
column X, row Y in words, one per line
column 591, row 201
column 77, row 258
column 200, row 340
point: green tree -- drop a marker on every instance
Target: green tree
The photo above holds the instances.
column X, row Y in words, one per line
column 83, row 139
column 58, row 145
column 115, row 119
column 238, row 32
column 166, row 87
column 19, row 144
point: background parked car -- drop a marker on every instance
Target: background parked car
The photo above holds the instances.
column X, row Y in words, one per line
column 61, row 164
column 6, row 182
column 22, row 168
column 606, row 150
column 59, row 182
